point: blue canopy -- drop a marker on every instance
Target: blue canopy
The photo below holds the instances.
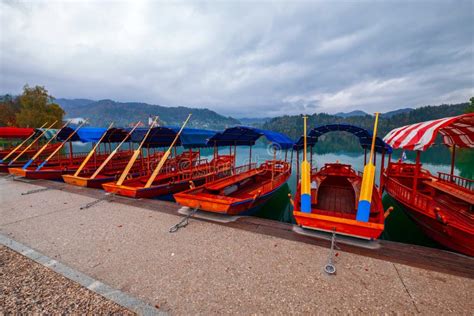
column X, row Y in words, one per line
column 84, row 134
column 116, row 135
column 164, row 136
column 365, row 137
column 247, row 136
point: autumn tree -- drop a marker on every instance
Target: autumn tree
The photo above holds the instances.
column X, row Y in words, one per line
column 37, row 107
column 9, row 107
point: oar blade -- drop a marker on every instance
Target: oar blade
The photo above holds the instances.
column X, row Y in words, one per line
column 305, row 187
column 365, row 199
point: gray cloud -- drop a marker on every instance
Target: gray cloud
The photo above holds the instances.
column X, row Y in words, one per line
column 243, row 59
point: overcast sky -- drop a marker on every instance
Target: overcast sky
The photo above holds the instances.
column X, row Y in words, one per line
column 243, row 59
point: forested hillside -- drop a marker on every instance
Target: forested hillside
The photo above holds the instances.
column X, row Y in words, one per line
column 293, row 125
column 101, row 113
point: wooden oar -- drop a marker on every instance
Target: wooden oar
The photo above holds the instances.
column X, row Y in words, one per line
column 45, row 145
column 61, row 146
column 165, row 156
column 31, row 144
column 365, row 199
column 21, row 144
column 112, row 154
column 305, row 177
column 89, row 155
column 129, row 166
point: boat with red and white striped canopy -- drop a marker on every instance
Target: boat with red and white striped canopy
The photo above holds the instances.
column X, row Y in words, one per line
column 441, row 205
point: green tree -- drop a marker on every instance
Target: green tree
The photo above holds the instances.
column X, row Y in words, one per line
column 9, row 106
column 37, row 107
column 470, row 108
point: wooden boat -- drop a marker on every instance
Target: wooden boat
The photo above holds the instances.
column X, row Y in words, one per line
column 247, row 187
column 176, row 173
column 94, row 176
column 442, row 204
column 54, row 166
column 334, row 191
column 18, row 155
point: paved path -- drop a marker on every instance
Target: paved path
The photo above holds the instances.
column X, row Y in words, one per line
column 209, row 269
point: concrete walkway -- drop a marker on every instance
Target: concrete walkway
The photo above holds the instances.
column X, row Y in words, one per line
column 207, row 268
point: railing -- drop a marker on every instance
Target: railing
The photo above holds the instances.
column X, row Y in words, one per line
column 405, row 194
column 465, row 183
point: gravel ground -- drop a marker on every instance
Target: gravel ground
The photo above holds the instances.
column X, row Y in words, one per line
column 28, row 287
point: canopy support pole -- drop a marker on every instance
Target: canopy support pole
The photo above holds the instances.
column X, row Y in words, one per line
column 381, row 181
column 297, row 165
column 415, row 179
column 250, row 156
column 453, row 157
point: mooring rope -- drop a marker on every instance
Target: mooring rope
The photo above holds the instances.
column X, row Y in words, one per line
column 105, row 197
column 35, row 191
column 330, row 268
column 184, row 222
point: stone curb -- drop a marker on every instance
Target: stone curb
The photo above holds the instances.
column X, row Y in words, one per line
column 117, row 296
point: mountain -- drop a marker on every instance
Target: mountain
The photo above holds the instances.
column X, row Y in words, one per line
column 72, row 103
column 395, row 112
column 351, row 114
column 101, row 113
column 254, row 121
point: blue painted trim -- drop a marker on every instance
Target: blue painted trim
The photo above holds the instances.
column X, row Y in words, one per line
column 27, row 164
column 363, row 211
column 41, row 165
column 306, row 203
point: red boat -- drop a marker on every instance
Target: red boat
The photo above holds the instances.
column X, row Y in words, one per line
column 94, row 176
column 18, row 155
column 27, row 154
column 57, row 164
column 247, row 187
column 335, row 191
column 441, row 205
column 179, row 171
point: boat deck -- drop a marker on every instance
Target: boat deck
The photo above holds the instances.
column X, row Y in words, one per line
column 255, row 254
column 464, row 195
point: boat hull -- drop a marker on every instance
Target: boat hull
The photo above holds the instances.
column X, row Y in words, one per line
column 444, row 234
column 341, row 226
column 43, row 174
column 333, row 203
column 243, row 208
column 153, row 191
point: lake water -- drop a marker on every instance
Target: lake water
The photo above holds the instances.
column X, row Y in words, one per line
column 398, row 226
